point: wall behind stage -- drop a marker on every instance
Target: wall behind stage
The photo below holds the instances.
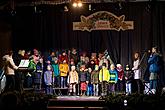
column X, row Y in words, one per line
column 50, row 27
column 5, row 35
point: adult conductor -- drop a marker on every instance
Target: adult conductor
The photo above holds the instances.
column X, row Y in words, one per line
column 9, row 69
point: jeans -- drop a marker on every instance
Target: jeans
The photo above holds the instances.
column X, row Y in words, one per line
column 111, row 87
column 128, row 88
column 49, row 90
column 96, row 89
column 153, row 84
column 90, row 90
column 63, row 82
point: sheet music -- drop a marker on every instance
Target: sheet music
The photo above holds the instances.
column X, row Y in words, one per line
column 24, row 63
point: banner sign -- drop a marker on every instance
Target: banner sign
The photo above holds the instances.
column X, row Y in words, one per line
column 103, row 20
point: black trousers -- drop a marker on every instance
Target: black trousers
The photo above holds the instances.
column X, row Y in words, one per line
column 103, row 88
column 10, row 83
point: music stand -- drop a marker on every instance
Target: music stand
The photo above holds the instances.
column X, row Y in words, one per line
column 24, row 64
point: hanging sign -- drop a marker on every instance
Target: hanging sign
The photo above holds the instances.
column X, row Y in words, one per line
column 103, row 20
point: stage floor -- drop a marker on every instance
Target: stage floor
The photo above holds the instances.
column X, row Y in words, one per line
column 77, row 102
column 77, row 98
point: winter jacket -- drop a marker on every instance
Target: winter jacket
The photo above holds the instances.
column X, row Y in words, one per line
column 73, row 77
column 95, row 77
column 113, row 76
column 104, row 75
column 56, row 69
column 64, row 68
column 48, row 77
column 83, row 76
column 153, row 62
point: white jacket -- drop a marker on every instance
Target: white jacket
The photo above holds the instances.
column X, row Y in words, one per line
column 136, row 69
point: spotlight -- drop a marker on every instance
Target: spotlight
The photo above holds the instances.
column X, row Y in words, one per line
column 74, row 4
column 79, row 4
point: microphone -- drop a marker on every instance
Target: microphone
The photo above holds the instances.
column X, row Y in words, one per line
column 148, row 51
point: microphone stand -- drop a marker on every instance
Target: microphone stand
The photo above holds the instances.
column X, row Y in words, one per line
column 141, row 60
column 145, row 53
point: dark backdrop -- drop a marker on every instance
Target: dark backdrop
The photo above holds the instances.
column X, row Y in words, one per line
column 50, row 27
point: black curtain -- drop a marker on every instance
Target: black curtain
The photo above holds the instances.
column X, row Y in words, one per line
column 49, row 27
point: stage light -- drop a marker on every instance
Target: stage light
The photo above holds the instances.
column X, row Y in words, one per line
column 79, row 4
column 74, row 4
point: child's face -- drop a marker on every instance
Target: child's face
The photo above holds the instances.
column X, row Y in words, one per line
column 103, row 66
column 48, row 62
column 64, row 61
column 82, row 68
column 73, row 68
column 56, row 61
column 89, row 70
column 63, row 53
column 53, row 54
column 112, row 67
column 92, row 62
column 127, row 68
column 96, row 67
column 136, row 55
column 119, row 67
column 71, row 62
column 48, row 68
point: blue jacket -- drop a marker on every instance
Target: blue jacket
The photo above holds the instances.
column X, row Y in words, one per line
column 113, row 76
column 48, row 77
column 56, row 69
column 153, row 62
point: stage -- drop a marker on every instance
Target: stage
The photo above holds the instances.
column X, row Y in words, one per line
column 76, row 102
column 77, row 98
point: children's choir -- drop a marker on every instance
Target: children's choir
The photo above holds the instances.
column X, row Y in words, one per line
column 91, row 74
